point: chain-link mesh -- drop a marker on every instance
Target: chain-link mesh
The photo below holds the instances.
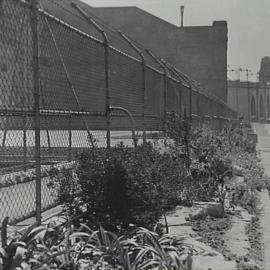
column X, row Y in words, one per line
column 80, row 98
column 16, row 106
column 154, row 99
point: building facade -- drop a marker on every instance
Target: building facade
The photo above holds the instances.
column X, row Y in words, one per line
column 200, row 52
column 252, row 99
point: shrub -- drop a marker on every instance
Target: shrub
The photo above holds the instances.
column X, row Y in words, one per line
column 213, row 154
column 122, row 186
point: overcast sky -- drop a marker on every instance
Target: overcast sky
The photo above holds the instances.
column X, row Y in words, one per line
column 248, row 23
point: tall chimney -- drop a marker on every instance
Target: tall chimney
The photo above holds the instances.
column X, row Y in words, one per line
column 182, row 15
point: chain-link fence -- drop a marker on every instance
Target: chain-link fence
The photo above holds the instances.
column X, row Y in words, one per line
column 63, row 90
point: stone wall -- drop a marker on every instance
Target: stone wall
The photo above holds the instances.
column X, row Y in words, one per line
column 250, row 99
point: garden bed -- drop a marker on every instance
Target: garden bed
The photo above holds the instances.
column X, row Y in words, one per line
column 113, row 193
column 20, row 176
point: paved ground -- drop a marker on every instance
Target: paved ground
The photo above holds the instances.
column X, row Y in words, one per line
column 263, row 146
column 263, row 132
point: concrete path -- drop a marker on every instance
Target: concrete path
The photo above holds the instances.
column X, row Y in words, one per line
column 265, row 223
column 206, row 258
column 263, row 146
column 263, row 131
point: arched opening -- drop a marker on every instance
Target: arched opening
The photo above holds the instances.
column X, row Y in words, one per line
column 261, row 107
column 253, row 108
column 268, row 107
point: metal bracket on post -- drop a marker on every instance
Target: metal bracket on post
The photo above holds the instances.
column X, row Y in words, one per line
column 36, row 86
column 140, row 53
column 131, row 120
column 165, row 75
column 106, row 50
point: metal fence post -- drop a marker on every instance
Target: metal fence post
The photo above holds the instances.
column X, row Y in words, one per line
column 36, row 86
column 107, row 103
column 24, row 141
column 165, row 75
column 106, row 52
column 138, row 51
column 180, row 79
column 69, row 137
column 198, row 103
column 186, row 137
column 190, row 102
column 131, row 121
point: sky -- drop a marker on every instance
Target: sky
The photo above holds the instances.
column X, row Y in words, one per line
column 248, row 24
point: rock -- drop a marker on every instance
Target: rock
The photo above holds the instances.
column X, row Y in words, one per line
column 215, row 210
column 237, row 170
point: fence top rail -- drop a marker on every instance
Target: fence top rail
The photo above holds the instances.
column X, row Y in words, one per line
column 79, row 32
column 25, row 3
column 72, row 28
column 154, row 69
column 76, row 30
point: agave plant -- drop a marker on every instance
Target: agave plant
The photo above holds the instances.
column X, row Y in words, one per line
column 166, row 252
column 140, row 249
column 14, row 251
column 60, row 246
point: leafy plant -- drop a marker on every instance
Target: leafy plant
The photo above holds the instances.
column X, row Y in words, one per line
column 60, row 246
column 120, row 186
column 13, row 251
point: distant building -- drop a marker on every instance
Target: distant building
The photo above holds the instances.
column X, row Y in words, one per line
column 200, row 52
column 252, row 99
column 264, row 73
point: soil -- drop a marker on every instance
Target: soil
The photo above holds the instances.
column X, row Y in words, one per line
column 213, row 231
column 254, row 233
